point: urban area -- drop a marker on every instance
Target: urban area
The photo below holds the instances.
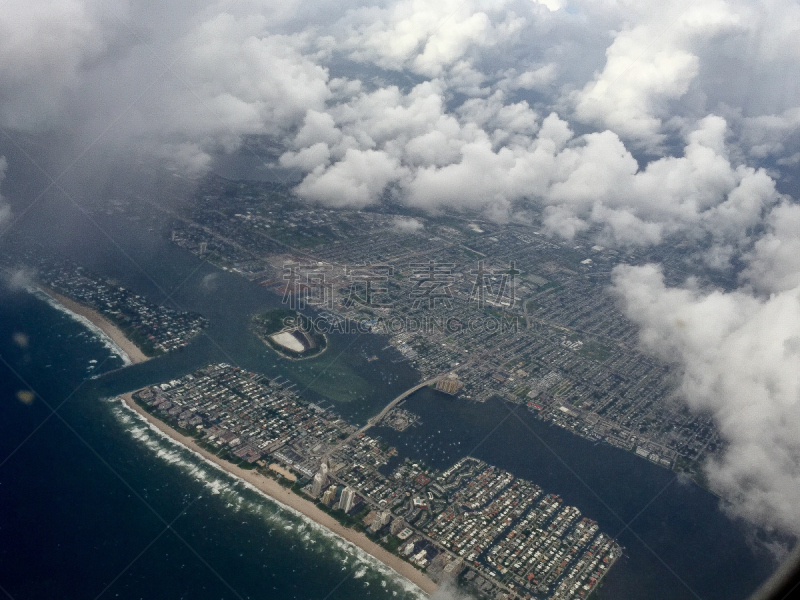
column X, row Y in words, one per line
column 498, row 535
column 504, row 309
column 154, row 328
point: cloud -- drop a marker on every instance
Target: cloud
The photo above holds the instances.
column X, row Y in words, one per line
column 168, row 82
column 637, row 122
column 5, row 209
column 739, row 356
column 535, row 78
column 236, row 79
column 773, row 264
column 407, row 225
column 490, row 154
column 209, row 283
column 188, row 82
column 551, row 5
column 355, row 181
column 770, row 135
column 649, row 64
column 425, row 37
column 44, row 49
column 449, row 591
column 19, row 279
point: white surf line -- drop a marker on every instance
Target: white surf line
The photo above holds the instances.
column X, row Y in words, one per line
column 343, row 544
column 96, row 331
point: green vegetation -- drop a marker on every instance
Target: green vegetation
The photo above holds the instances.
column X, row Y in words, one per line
column 354, row 521
column 391, row 544
column 273, row 321
column 550, row 286
column 299, row 325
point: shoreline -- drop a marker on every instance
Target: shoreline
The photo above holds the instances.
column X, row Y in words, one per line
column 285, row 497
column 112, row 331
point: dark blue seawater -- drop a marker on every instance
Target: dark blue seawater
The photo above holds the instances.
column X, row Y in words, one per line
column 87, row 494
column 93, row 503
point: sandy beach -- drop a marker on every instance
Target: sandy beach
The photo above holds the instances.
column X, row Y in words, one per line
column 274, row 490
column 111, row 330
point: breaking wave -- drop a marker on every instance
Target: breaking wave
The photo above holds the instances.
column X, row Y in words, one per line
column 98, row 333
column 227, row 486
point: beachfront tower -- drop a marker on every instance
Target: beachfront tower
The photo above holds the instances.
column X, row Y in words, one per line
column 329, row 496
column 320, row 480
column 348, row 499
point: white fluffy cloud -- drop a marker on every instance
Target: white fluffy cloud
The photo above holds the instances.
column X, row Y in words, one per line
column 426, row 37
column 355, row 181
column 191, row 80
column 475, row 105
column 169, row 81
column 649, row 63
column 407, row 225
column 774, row 261
column 490, row 154
column 740, row 357
column 234, row 78
column 5, row 209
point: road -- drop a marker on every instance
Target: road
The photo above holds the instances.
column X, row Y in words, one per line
column 375, row 419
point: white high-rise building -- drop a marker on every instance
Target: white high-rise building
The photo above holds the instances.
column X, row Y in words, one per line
column 381, row 519
column 348, row 499
column 320, row 482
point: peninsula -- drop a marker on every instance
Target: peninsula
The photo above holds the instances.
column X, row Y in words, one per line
column 141, row 328
column 133, row 351
column 285, row 496
column 496, row 534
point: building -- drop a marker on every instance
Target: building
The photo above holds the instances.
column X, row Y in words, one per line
column 348, row 499
column 320, row 482
column 449, row 386
column 397, row 526
column 380, row 520
column 329, row 496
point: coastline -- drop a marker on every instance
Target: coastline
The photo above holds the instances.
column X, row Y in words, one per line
column 283, row 496
column 112, row 331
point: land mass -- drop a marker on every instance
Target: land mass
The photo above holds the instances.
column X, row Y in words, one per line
column 280, row 494
column 134, row 353
column 153, row 328
column 289, row 333
column 500, row 535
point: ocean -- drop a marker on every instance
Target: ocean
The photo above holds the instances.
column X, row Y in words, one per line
column 95, row 503
column 86, row 496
